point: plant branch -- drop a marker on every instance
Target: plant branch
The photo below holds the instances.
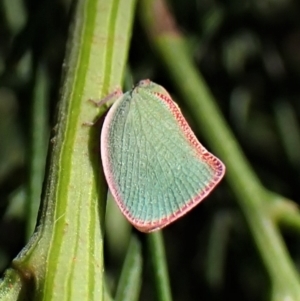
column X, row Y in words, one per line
column 64, row 258
column 251, row 195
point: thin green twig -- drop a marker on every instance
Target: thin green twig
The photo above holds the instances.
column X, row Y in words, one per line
column 131, row 277
column 38, row 147
column 159, row 266
column 251, row 195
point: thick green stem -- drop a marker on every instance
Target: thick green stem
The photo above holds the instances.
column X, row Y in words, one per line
column 64, row 258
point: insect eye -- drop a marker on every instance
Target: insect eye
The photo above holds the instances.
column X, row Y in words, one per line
column 144, row 83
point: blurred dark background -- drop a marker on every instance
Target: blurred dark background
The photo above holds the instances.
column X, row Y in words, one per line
column 248, row 52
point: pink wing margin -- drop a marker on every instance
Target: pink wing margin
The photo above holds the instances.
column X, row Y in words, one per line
column 203, row 154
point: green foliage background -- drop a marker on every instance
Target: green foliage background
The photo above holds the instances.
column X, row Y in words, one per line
column 248, row 52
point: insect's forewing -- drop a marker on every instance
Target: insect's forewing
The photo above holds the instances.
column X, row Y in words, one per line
column 155, row 167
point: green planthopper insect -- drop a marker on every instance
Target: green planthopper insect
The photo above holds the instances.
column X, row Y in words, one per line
column 155, row 167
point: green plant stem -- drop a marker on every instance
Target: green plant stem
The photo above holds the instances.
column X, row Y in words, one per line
column 11, row 287
column 251, row 195
column 64, row 258
column 129, row 285
column 38, row 147
column 284, row 212
column 159, row 266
